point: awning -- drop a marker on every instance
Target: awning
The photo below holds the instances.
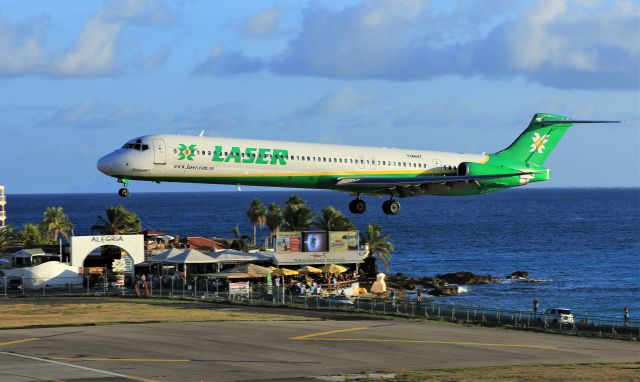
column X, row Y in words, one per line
column 319, row 258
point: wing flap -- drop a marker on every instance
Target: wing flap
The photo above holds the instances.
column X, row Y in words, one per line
column 390, row 182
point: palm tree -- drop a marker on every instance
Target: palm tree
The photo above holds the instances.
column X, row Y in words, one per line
column 297, row 216
column 378, row 245
column 56, row 223
column 31, row 235
column 240, row 242
column 257, row 215
column 118, row 221
column 333, row 220
column 9, row 239
column 275, row 218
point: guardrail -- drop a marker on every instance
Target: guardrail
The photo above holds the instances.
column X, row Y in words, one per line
column 212, row 290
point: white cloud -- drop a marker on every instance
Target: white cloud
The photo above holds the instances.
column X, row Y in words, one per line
column 94, row 52
column 339, row 102
column 558, row 43
column 265, row 23
column 92, row 114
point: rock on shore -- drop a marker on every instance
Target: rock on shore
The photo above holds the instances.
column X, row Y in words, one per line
column 438, row 285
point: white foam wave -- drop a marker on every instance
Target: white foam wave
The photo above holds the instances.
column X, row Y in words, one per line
column 463, row 289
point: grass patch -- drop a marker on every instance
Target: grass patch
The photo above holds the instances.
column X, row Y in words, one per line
column 618, row 372
column 20, row 315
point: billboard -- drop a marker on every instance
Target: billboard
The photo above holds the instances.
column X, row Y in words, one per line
column 289, row 242
column 315, row 241
column 343, row 240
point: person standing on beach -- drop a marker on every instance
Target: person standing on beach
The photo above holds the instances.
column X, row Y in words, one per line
column 393, row 298
column 536, row 302
column 419, row 298
column 626, row 316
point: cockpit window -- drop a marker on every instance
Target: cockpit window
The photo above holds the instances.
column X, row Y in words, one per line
column 136, row 145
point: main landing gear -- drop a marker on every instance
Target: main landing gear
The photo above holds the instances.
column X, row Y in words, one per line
column 391, row 207
column 357, row 206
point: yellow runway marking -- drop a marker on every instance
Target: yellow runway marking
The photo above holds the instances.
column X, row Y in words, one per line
column 31, row 377
column 120, row 359
column 318, row 334
column 433, row 342
column 19, row 341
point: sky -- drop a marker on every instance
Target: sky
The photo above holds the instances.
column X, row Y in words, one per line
column 79, row 79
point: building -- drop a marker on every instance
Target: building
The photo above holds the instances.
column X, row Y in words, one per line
column 3, row 212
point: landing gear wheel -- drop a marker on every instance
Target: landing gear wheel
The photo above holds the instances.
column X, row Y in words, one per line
column 124, row 192
column 391, row 207
column 357, row 206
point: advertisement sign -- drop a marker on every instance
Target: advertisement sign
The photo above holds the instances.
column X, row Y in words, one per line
column 289, row 242
column 315, row 241
column 119, row 280
column 343, row 241
column 239, row 288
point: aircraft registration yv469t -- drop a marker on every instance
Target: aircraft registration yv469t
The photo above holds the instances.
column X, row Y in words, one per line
column 358, row 170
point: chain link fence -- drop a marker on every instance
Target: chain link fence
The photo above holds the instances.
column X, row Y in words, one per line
column 208, row 289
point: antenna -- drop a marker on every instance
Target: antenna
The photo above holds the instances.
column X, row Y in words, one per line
column 201, row 133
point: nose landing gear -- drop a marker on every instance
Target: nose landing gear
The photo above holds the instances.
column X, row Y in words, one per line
column 124, row 191
column 391, row 207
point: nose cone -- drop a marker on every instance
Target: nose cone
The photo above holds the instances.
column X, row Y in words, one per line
column 106, row 164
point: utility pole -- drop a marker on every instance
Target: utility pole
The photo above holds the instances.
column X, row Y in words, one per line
column 3, row 213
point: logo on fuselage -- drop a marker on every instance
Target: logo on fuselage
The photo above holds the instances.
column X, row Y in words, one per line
column 186, row 152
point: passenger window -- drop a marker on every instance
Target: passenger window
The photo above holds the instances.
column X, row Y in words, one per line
column 136, row 146
column 145, row 147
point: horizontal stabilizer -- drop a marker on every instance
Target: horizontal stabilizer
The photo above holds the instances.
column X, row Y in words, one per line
column 567, row 122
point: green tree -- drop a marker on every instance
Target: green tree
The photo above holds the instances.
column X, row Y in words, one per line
column 297, row 216
column 275, row 218
column 118, row 221
column 9, row 239
column 240, row 242
column 378, row 244
column 56, row 223
column 257, row 215
column 333, row 220
column 32, row 235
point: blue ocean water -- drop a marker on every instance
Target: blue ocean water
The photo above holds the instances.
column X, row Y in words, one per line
column 585, row 241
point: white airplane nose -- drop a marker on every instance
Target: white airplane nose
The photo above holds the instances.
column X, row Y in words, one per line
column 105, row 164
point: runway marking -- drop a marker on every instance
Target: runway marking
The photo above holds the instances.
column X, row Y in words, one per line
column 129, row 377
column 434, row 342
column 32, row 377
column 318, row 334
column 121, row 359
column 19, row 341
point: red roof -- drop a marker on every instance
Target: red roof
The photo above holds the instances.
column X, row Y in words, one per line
column 199, row 242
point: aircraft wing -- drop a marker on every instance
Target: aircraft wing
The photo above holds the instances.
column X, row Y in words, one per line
column 391, row 182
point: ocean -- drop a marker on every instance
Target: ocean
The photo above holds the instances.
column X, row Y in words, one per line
column 584, row 242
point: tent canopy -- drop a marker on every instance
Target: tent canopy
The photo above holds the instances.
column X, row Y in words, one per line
column 232, row 256
column 309, row 269
column 190, row 256
column 163, row 256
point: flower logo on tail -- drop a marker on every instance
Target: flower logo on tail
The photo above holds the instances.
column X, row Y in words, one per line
column 538, row 142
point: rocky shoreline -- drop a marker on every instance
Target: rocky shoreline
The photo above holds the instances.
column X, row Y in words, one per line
column 446, row 284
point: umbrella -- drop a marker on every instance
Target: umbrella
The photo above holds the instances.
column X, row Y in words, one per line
column 163, row 256
column 242, row 271
column 309, row 269
column 284, row 272
column 191, row 256
column 333, row 268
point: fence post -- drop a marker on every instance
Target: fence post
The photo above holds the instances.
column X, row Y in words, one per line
column 23, row 288
column 151, row 285
column 5, row 288
column 44, row 287
column 87, row 278
column 206, row 285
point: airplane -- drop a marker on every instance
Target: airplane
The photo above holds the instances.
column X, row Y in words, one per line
column 354, row 169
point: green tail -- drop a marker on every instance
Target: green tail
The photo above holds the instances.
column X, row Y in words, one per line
column 533, row 146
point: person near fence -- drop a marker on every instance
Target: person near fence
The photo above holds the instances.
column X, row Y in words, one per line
column 393, row 298
column 536, row 302
column 626, row 316
column 419, row 298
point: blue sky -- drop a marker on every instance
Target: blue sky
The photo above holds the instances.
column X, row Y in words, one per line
column 79, row 79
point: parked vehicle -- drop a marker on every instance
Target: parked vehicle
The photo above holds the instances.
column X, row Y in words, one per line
column 561, row 315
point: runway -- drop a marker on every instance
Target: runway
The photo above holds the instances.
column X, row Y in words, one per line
column 280, row 350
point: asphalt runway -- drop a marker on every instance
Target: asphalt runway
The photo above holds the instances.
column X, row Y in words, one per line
column 281, row 350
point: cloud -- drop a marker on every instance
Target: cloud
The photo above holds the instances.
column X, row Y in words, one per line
column 156, row 59
column 339, row 102
column 91, row 114
column 215, row 119
column 263, row 24
column 234, row 62
column 94, row 52
column 557, row 43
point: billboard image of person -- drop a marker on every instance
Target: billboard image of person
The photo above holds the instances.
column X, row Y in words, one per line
column 289, row 242
column 315, row 241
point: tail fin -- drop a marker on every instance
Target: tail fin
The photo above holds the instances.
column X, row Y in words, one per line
column 537, row 141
